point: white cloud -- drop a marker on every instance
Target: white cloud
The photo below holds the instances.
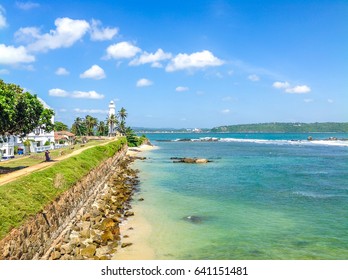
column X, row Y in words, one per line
column 101, row 34
column 4, row 72
column 122, row 50
column 3, row 22
column 87, row 94
column 281, row 85
column 13, row 55
column 144, row 83
column 292, row 89
column 225, row 111
column 180, row 89
column 27, row 35
column 193, row 61
column 68, row 31
column 298, row 89
column 152, row 58
column 254, row 78
column 90, row 111
column 58, row 92
column 61, row 71
column 330, row 101
column 63, row 110
column 308, row 100
column 27, row 5
column 75, row 94
column 95, row 72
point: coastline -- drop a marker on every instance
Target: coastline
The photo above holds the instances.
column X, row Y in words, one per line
column 136, row 229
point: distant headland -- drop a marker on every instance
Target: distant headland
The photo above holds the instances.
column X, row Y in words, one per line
column 273, row 127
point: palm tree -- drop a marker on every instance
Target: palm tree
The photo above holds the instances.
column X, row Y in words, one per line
column 78, row 127
column 101, row 129
column 112, row 122
column 90, row 122
column 122, row 114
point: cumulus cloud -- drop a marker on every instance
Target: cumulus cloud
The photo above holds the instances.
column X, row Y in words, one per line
column 298, row 89
column 254, row 78
column 61, row 71
column 58, row 92
column 122, row 50
column 27, row 5
column 281, row 85
column 75, row 94
column 196, row 60
column 3, row 22
column 14, row 55
column 68, row 31
column 152, row 58
column 180, row 89
column 225, row 111
column 101, row 34
column 95, row 72
column 90, row 111
column 87, row 94
column 144, row 83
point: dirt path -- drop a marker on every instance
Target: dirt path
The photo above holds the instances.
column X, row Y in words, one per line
column 28, row 170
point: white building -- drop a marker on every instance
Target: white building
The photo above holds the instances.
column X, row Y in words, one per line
column 112, row 126
column 40, row 140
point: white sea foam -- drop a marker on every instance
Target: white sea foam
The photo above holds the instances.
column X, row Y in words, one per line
column 288, row 142
column 316, row 195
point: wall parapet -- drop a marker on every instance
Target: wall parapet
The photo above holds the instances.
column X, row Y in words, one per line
column 32, row 239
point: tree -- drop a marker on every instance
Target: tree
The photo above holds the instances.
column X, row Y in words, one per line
column 90, row 123
column 59, row 126
column 21, row 112
column 102, row 129
column 122, row 114
column 112, row 122
column 79, row 127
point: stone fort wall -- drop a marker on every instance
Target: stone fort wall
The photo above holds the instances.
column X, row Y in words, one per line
column 35, row 236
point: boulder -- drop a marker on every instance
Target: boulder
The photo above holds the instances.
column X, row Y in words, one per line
column 190, row 160
column 106, row 236
column 127, row 244
column 193, row 219
column 107, row 224
column 55, row 255
column 201, row 160
column 89, row 251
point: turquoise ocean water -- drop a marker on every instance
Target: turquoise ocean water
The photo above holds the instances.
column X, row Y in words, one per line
column 264, row 196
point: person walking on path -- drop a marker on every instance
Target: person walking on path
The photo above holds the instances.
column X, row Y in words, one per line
column 47, row 155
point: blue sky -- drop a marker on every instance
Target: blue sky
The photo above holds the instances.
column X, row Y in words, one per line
column 181, row 63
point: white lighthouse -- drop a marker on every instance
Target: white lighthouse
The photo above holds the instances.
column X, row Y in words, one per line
column 112, row 119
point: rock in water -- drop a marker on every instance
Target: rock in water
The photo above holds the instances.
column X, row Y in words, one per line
column 201, row 160
column 194, row 219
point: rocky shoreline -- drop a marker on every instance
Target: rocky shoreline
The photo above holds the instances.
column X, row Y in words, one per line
column 94, row 234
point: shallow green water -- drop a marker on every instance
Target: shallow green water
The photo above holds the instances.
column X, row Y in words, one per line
column 256, row 200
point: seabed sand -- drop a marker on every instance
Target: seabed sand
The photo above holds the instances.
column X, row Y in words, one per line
column 137, row 228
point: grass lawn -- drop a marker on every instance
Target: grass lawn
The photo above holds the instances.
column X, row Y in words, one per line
column 28, row 195
column 26, row 161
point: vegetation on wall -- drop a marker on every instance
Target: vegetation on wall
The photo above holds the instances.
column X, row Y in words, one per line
column 30, row 194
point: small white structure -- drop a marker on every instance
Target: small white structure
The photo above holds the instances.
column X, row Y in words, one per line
column 40, row 140
column 112, row 112
column 7, row 148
